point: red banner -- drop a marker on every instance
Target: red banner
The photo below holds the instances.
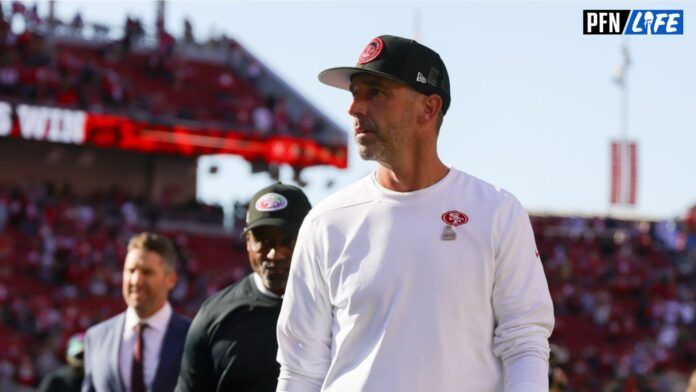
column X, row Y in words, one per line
column 109, row 131
column 624, row 172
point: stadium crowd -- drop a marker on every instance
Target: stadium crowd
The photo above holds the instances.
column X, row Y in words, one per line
column 623, row 290
column 61, row 267
column 154, row 82
column 624, row 300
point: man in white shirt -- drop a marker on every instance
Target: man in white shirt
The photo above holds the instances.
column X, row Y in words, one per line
column 418, row 277
column 139, row 349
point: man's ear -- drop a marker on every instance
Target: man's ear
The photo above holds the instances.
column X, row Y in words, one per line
column 432, row 104
column 171, row 279
column 247, row 239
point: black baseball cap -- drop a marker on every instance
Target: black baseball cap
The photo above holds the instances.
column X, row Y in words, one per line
column 400, row 59
column 278, row 205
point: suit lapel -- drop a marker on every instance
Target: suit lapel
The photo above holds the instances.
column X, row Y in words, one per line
column 115, row 348
column 167, row 354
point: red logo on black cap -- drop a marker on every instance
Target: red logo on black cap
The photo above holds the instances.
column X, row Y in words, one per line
column 455, row 218
column 371, row 51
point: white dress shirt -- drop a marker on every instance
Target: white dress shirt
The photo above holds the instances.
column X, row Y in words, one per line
column 152, row 336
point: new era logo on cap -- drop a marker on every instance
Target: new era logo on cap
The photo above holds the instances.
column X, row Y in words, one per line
column 421, row 78
column 433, row 77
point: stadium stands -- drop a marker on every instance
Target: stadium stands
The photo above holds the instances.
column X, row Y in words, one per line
column 623, row 290
column 623, row 294
column 100, row 77
column 165, row 85
column 60, row 265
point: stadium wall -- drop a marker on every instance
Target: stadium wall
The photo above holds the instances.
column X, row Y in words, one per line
column 88, row 170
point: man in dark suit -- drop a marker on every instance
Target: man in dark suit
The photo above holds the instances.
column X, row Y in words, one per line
column 139, row 349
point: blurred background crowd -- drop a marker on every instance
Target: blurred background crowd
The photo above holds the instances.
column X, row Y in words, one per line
column 624, row 289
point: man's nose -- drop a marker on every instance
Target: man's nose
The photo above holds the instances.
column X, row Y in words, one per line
column 277, row 254
column 135, row 278
column 357, row 108
column 272, row 253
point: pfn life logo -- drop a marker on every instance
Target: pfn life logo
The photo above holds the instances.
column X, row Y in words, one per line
column 634, row 22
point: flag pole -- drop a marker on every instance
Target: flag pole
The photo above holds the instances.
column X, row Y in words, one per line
column 626, row 62
column 624, row 166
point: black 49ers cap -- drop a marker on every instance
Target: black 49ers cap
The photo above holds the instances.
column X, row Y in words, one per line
column 278, row 205
column 400, row 59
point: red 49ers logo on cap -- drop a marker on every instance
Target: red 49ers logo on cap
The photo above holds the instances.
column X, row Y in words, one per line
column 455, row 218
column 371, row 51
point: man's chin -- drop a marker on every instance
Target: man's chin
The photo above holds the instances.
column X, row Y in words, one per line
column 138, row 305
column 277, row 289
column 135, row 300
column 275, row 284
column 366, row 154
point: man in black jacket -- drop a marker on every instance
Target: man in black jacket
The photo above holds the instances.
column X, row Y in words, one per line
column 232, row 344
column 68, row 378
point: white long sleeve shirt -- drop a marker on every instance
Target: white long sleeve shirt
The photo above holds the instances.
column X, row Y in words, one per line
column 377, row 300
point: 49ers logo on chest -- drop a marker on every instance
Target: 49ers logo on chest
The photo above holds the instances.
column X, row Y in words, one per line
column 452, row 219
column 455, row 218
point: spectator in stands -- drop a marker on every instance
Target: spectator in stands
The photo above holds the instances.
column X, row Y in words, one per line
column 263, row 118
column 18, row 8
column 558, row 380
column 690, row 229
column 9, row 78
column 69, row 377
column 32, row 18
column 281, row 118
column 235, row 56
column 26, row 370
column 77, row 24
column 232, row 342
column 226, row 83
column 4, row 29
column 165, row 41
column 692, row 382
column 8, row 373
column 133, row 31
column 253, row 72
column 148, row 336
column 113, row 90
column 3, row 210
column 188, row 32
column 306, row 124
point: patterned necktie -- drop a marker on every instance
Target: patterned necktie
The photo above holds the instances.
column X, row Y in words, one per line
column 137, row 374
